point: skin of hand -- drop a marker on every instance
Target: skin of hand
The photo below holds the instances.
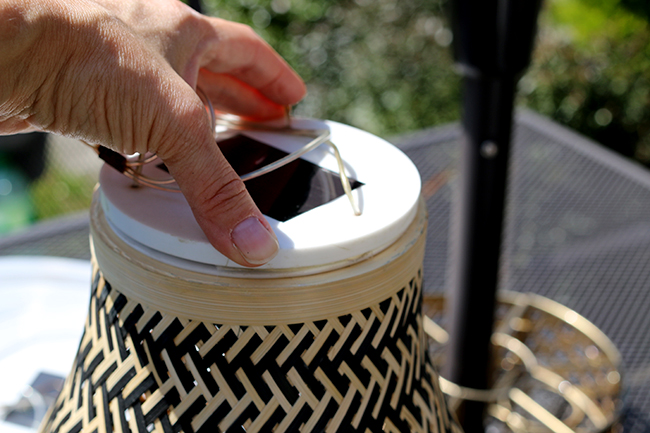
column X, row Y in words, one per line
column 123, row 74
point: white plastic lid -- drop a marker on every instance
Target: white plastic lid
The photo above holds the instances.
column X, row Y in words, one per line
column 329, row 235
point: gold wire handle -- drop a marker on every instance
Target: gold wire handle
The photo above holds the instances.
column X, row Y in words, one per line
column 132, row 166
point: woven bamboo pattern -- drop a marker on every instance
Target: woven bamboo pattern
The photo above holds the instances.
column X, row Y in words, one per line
column 140, row 370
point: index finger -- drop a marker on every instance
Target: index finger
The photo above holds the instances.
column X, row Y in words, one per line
column 235, row 49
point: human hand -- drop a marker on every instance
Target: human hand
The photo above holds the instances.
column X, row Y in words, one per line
column 123, row 73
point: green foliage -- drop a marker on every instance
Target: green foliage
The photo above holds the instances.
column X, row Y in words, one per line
column 592, row 73
column 58, row 192
column 381, row 65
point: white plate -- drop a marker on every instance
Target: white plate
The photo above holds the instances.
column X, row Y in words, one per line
column 43, row 305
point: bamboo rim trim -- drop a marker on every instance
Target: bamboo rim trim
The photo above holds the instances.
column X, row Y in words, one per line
column 252, row 301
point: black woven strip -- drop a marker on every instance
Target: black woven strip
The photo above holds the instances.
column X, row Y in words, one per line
column 328, row 414
column 402, row 425
column 253, row 372
column 349, row 415
column 340, row 381
column 345, row 349
column 155, row 319
column 385, row 305
column 92, row 366
column 321, row 355
column 275, row 419
column 380, row 363
column 391, row 342
column 254, row 375
column 118, row 305
column 198, row 335
column 203, row 366
column 89, row 404
column 296, row 356
column 166, row 339
column 166, row 424
column 250, row 412
column 101, row 299
column 310, row 380
column 90, row 313
column 110, row 288
column 176, row 428
column 148, row 384
column 271, row 355
column 109, row 337
column 129, row 322
column 80, row 385
column 243, row 358
column 344, row 320
column 139, row 417
column 223, row 346
column 98, row 312
column 108, row 419
column 173, row 397
column 366, row 350
column 95, row 282
column 83, row 353
column 302, row 417
column 77, row 428
column 185, row 421
column 354, row 360
column 145, row 335
column 112, row 393
column 139, row 341
column 289, row 392
column 320, row 324
column 168, row 335
column 63, row 421
column 186, row 378
column 121, row 409
column 212, row 423
column 121, row 335
column 156, row 412
column 229, row 371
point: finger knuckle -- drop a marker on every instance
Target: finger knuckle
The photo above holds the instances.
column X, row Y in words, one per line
column 223, row 195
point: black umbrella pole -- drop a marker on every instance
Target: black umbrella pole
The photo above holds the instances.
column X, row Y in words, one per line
column 476, row 230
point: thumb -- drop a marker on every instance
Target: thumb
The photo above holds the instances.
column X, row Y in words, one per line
column 76, row 69
column 219, row 200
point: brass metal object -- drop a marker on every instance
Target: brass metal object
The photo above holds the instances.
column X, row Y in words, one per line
column 553, row 370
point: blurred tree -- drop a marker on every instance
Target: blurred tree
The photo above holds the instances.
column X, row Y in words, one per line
column 591, row 71
column 385, row 66
column 381, row 65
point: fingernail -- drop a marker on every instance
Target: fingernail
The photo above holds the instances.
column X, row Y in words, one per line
column 254, row 241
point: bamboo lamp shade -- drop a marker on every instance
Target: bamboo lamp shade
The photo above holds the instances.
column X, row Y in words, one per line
column 327, row 337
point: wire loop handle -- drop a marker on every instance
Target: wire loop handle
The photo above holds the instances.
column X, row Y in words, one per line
column 132, row 166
